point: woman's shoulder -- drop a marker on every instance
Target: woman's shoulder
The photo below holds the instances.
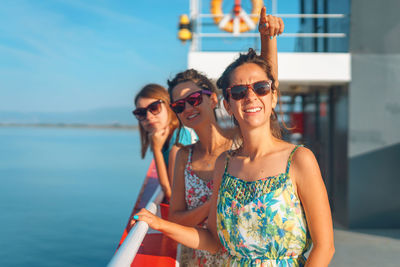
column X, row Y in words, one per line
column 302, row 156
column 304, row 165
column 184, row 149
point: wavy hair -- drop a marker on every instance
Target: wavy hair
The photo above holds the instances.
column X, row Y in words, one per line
column 157, row 92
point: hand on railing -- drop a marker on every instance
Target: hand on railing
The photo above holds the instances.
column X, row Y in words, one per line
column 269, row 26
column 152, row 220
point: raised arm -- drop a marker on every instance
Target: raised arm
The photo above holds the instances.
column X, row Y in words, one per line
column 269, row 27
column 178, row 210
column 313, row 196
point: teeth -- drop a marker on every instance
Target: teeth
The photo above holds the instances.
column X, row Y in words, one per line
column 192, row 116
column 252, row 110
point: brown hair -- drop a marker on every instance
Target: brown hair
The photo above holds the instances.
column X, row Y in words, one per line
column 190, row 75
column 251, row 57
column 158, row 92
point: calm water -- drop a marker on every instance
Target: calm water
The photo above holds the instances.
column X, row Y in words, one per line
column 66, row 194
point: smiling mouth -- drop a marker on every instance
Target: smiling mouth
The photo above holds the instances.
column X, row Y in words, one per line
column 192, row 116
column 252, row 110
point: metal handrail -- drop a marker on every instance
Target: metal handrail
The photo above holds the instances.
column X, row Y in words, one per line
column 127, row 251
column 314, row 16
column 246, row 35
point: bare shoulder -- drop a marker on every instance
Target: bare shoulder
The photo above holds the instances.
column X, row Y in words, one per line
column 303, row 157
column 304, row 165
column 182, row 153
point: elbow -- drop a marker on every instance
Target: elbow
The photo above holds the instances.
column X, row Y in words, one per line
column 332, row 251
column 325, row 251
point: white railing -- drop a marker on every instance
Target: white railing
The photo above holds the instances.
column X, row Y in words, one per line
column 127, row 251
column 198, row 20
column 246, row 35
column 314, row 16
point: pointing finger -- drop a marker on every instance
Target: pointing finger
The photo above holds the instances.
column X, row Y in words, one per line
column 263, row 18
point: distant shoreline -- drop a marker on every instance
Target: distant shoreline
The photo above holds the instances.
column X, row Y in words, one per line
column 71, row 125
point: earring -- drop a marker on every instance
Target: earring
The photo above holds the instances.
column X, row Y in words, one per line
column 274, row 116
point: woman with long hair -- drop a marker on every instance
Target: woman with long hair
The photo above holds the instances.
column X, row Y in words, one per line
column 269, row 201
column 194, row 99
column 157, row 126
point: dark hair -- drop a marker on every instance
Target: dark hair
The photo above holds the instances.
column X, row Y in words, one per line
column 156, row 91
column 251, row 57
column 190, row 75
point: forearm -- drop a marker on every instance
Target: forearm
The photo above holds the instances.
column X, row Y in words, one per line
column 190, row 236
column 162, row 173
column 190, row 217
column 320, row 256
column 269, row 52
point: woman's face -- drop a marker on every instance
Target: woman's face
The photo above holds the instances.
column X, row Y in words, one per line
column 252, row 110
column 193, row 116
column 153, row 122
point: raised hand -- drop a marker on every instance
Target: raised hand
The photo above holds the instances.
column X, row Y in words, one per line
column 158, row 138
column 269, row 26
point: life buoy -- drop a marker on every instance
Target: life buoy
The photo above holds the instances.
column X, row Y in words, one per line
column 228, row 25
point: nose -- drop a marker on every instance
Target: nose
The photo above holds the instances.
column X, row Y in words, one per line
column 188, row 106
column 250, row 92
column 149, row 116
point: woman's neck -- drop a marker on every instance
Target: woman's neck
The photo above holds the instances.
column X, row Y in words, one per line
column 212, row 138
column 257, row 142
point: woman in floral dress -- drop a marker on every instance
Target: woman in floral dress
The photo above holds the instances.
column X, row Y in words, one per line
column 269, row 202
column 193, row 98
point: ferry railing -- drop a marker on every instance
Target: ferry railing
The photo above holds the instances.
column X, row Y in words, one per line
column 198, row 32
column 127, row 251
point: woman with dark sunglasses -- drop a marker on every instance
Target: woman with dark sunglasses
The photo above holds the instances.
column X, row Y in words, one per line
column 193, row 99
column 157, row 126
column 269, row 201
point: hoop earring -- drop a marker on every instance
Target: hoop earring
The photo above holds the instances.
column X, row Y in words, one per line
column 273, row 116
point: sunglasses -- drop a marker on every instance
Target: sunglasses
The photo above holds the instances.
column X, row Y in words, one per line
column 154, row 108
column 239, row 91
column 194, row 99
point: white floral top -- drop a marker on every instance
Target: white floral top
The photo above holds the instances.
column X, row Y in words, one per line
column 197, row 192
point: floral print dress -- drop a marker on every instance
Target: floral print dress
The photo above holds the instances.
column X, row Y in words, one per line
column 197, row 191
column 262, row 222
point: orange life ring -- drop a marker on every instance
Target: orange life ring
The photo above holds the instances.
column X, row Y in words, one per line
column 216, row 9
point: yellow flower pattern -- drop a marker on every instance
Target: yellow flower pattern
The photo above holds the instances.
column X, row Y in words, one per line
column 262, row 223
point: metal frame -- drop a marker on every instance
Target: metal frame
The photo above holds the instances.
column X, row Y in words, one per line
column 196, row 18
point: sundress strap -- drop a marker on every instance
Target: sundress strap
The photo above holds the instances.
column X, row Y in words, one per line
column 290, row 158
column 190, row 155
column 228, row 155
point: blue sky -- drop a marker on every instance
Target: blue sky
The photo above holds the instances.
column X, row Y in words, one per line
column 71, row 55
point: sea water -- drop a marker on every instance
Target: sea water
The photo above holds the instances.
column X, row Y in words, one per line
column 66, row 194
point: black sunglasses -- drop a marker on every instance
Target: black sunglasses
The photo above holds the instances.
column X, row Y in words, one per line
column 154, row 108
column 239, row 91
column 193, row 99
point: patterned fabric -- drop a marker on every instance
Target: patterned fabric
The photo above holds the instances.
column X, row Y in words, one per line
column 197, row 191
column 262, row 223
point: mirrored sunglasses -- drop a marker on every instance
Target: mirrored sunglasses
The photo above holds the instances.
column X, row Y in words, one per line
column 194, row 99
